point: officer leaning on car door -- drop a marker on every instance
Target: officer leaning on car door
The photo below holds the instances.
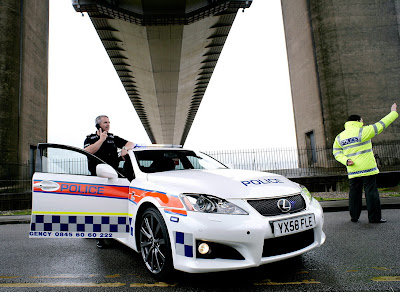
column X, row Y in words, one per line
column 105, row 145
column 353, row 148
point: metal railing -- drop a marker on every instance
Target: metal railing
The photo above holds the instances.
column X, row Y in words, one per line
column 290, row 162
column 303, row 162
column 78, row 166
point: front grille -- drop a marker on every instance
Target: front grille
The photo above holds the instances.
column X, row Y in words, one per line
column 269, row 207
column 287, row 244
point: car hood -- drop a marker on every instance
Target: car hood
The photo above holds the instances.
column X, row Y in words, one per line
column 224, row 183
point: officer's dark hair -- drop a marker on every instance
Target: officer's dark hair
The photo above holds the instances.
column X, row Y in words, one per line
column 355, row 118
column 98, row 119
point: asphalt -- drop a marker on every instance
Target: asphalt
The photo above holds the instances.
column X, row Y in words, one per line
column 328, row 206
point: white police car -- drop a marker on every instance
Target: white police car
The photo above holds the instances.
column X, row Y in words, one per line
column 179, row 208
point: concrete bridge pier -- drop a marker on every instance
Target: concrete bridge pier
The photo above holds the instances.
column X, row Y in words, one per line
column 344, row 58
column 24, row 32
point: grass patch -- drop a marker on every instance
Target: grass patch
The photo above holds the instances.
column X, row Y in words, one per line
column 320, row 199
column 395, row 189
column 16, row 212
column 390, row 192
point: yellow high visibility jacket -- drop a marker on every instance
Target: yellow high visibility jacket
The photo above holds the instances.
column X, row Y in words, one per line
column 355, row 143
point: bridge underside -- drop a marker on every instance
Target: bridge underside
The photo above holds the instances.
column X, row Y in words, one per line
column 164, row 52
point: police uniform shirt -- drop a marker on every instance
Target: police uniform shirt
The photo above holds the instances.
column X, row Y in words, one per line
column 108, row 151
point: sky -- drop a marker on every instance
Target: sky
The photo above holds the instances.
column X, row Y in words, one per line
column 247, row 104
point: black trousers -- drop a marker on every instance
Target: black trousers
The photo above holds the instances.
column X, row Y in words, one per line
column 371, row 197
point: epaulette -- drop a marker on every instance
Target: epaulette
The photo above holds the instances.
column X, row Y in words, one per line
column 91, row 136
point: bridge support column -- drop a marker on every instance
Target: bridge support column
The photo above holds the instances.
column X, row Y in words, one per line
column 344, row 58
column 24, row 32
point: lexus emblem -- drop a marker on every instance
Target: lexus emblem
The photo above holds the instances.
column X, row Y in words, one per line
column 284, row 205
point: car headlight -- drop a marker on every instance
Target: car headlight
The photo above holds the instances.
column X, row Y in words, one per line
column 306, row 193
column 210, row 204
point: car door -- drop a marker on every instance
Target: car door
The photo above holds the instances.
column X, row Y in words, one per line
column 77, row 195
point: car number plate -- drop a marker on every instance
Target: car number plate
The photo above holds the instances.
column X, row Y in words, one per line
column 293, row 225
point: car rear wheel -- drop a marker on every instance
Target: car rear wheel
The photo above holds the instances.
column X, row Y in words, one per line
column 155, row 244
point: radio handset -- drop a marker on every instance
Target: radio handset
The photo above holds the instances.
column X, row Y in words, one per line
column 98, row 130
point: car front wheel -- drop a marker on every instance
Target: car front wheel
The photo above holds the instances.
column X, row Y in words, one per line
column 155, row 244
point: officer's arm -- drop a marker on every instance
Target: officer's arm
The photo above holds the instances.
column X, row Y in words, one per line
column 128, row 146
column 93, row 148
column 338, row 152
column 377, row 128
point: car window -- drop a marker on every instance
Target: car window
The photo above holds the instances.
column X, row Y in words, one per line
column 178, row 164
column 64, row 161
column 54, row 158
column 151, row 161
column 198, row 163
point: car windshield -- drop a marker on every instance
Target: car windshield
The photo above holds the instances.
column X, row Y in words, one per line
column 151, row 161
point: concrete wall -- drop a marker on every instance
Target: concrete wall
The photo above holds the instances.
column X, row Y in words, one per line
column 24, row 32
column 356, row 46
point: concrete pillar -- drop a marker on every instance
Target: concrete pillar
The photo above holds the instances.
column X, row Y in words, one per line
column 24, row 32
column 344, row 58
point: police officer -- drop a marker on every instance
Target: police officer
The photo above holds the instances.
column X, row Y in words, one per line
column 104, row 144
column 353, row 148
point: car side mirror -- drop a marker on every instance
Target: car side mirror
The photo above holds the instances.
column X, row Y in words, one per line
column 106, row 171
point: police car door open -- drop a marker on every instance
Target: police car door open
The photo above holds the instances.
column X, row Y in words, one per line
column 70, row 201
